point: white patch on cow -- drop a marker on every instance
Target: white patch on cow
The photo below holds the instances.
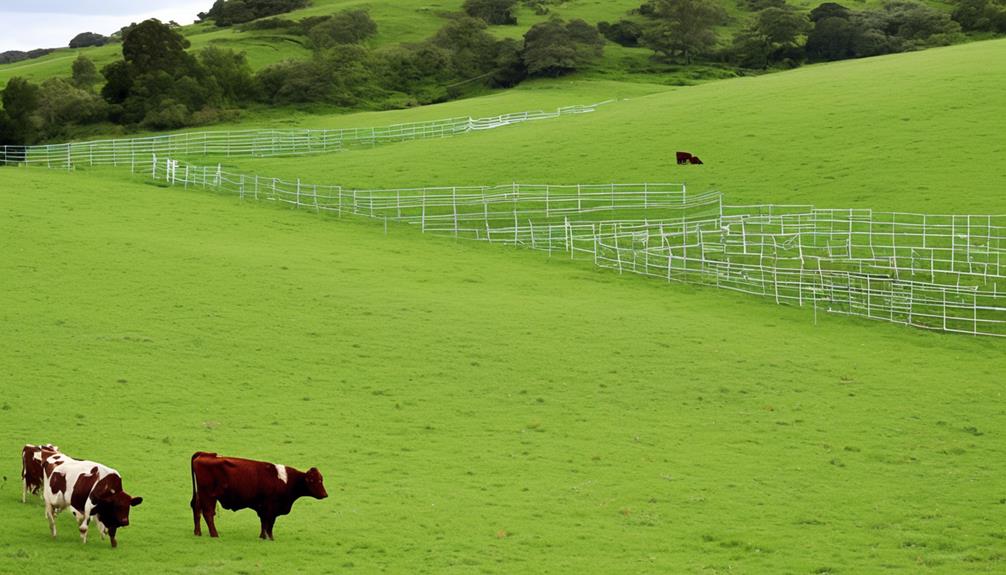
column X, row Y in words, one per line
column 72, row 470
column 281, row 472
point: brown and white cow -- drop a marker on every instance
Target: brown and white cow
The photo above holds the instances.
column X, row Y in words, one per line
column 268, row 488
column 91, row 490
column 32, row 457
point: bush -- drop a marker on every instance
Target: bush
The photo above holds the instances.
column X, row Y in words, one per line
column 981, row 15
column 86, row 39
column 230, row 12
column 624, row 32
column 169, row 115
column 492, row 11
column 346, row 27
column 85, row 75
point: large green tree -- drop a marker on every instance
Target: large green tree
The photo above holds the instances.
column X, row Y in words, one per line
column 775, row 35
column 556, row 47
column 682, row 28
column 20, row 105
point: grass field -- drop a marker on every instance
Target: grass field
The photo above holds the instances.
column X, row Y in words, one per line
column 481, row 409
column 474, row 409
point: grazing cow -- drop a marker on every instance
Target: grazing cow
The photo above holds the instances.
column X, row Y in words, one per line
column 685, row 158
column 268, row 488
column 32, row 457
column 91, row 490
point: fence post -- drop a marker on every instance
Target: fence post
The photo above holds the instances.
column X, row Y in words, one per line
column 153, row 168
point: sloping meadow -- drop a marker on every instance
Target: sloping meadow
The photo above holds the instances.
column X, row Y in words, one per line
column 480, row 408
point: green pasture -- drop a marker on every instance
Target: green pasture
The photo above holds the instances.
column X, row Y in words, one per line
column 474, row 408
column 485, row 409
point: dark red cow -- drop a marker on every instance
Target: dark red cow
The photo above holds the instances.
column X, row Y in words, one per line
column 685, row 158
column 270, row 489
column 32, row 457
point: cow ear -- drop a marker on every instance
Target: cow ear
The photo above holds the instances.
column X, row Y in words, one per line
column 136, row 501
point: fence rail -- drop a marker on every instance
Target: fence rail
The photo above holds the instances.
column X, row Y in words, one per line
column 260, row 143
column 939, row 272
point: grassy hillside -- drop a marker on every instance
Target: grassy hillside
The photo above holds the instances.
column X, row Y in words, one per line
column 398, row 22
column 474, row 409
column 910, row 132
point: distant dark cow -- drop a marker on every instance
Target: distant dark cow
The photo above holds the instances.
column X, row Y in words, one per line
column 91, row 490
column 685, row 158
column 32, row 475
column 268, row 488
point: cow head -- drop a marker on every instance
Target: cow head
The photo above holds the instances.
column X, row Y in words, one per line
column 112, row 508
column 315, row 484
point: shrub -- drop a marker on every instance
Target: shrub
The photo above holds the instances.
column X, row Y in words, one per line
column 86, row 39
column 230, row 12
column 346, row 27
column 492, row 11
column 624, row 32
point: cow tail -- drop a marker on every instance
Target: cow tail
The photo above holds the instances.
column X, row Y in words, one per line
column 192, row 468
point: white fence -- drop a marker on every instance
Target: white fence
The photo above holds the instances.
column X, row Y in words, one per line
column 941, row 272
column 260, row 143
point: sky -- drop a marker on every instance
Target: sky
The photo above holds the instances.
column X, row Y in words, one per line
column 28, row 24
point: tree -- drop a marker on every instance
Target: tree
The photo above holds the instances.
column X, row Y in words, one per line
column 555, row 47
column 492, row 11
column 86, row 39
column 981, row 15
column 152, row 45
column 85, row 75
column 20, row 103
column 230, row 12
column 832, row 38
column 624, row 32
column 231, row 72
column 346, row 27
column 683, row 27
column 829, row 10
column 472, row 49
column 775, row 35
column 62, row 103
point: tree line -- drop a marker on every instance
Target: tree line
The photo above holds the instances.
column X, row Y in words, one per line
column 159, row 85
column 781, row 35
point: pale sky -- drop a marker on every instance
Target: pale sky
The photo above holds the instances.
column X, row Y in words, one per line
column 28, row 24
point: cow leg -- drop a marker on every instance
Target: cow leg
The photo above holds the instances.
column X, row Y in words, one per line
column 209, row 506
column 84, row 521
column 24, row 489
column 198, row 531
column 50, row 514
column 267, row 518
column 269, row 525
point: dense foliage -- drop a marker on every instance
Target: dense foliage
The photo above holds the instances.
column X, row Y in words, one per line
column 492, row 11
column 87, row 39
column 230, row 12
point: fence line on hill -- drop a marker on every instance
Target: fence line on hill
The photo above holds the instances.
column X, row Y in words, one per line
column 261, row 143
column 939, row 272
